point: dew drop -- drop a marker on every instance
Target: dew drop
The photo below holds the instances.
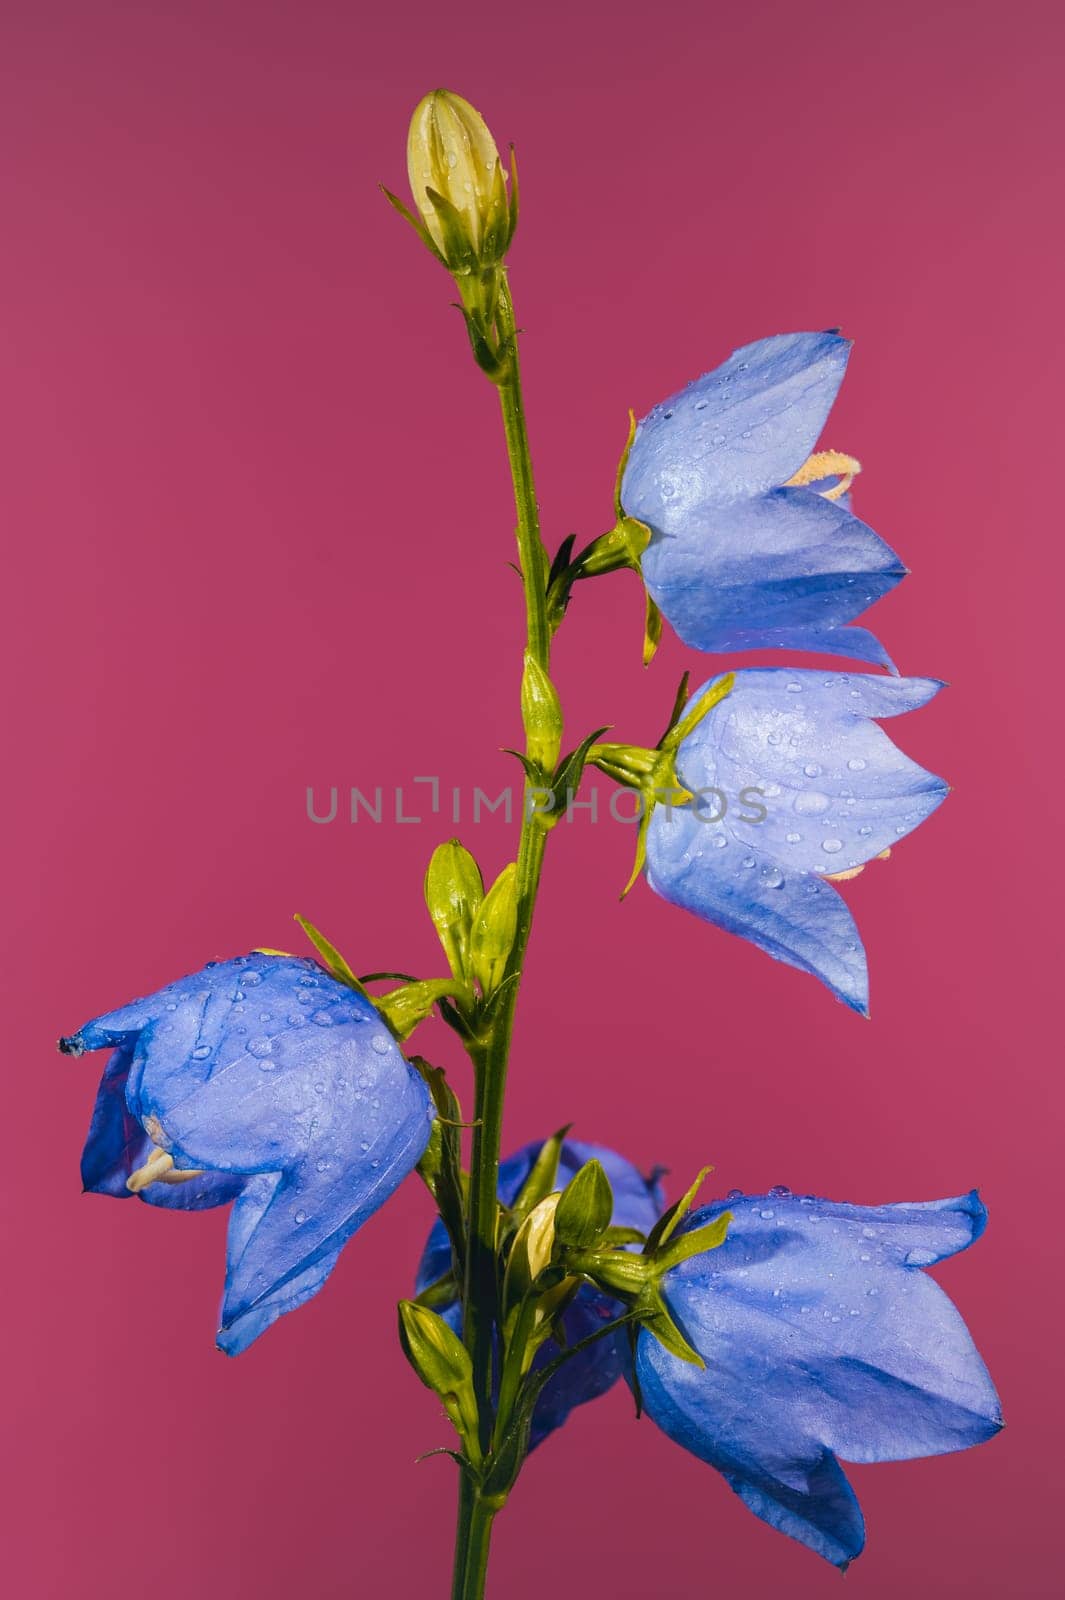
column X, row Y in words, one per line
column 811, row 803
column 719, row 841
column 831, row 845
column 301, row 1216
column 260, row 1045
column 381, row 1044
column 794, row 688
column 774, row 878
column 811, row 769
column 779, row 1191
column 322, row 1018
column 251, row 978
column 856, row 764
column 766, row 1215
column 865, row 831
column 734, row 1194
column 793, row 838
column 748, row 861
column 201, row 1052
column 920, row 1258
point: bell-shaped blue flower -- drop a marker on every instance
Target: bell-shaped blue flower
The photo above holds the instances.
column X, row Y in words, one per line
column 752, row 541
column 823, row 1341
column 794, row 785
column 264, row 1082
column 638, row 1203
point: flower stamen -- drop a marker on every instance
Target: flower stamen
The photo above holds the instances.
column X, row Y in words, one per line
column 159, row 1168
column 826, row 464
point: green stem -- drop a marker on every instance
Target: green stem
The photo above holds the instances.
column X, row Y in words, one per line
column 472, row 1539
column 490, row 1058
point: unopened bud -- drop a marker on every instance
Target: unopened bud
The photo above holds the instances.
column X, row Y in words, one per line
column 457, row 182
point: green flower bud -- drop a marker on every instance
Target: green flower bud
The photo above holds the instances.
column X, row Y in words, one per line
column 457, row 182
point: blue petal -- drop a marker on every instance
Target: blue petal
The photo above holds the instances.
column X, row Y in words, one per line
column 822, row 1339
column 638, row 1203
column 793, row 916
column 286, row 1087
column 835, row 788
column 117, row 1145
column 743, row 428
column 747, row 574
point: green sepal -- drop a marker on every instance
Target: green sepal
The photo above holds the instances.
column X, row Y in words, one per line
column 444, row 1292
column 585, row 1207
column 653, row 1314
column 443, row 1364
column 570, row 770
column 416, row 223
column 674, row 1215
column 440, row 1167
column 333, row 961
column 495, row 923
column 543, row 1175
column 616, row 1236
column 652, row 629
column 403, row 1009
column 696, row 1242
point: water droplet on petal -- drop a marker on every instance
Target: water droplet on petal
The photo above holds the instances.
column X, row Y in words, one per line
column 811, row 803
column 779, row 1191
column 719, row 841
column 323, row 1019
column 793, row 838
column 381, row 1043
column 794, row 688
column 811, row 769
column 260, row 1045
column 765, row 1215
column 831, row 845
column 734, row 1194
column 201, row 1052
column 773, row 879
column 920, row 1258
column 856, row 764
column 301, row 1216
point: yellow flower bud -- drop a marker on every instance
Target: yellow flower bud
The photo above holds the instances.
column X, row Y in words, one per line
column 457, row 182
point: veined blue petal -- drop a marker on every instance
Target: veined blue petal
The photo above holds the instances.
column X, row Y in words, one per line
column 835, row 788
column 285, row 1087
column 744, row 574
column 638, row 1203
column 793, row 916
column 117, row 1145
column 822, row 1339
column 742, row 429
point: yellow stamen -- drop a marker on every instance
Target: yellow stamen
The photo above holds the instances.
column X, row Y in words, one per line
column 158, row 1162
column 827, row 464
column 852, row 872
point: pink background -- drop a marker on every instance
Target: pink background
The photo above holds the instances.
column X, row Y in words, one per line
column 257, row 522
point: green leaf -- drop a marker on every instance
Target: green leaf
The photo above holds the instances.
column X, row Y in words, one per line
column 668, row 1222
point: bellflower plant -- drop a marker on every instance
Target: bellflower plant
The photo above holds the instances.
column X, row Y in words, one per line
column 771, row 1336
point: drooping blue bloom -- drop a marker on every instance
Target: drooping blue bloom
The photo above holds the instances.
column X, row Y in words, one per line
column 823, row 1341
column 740, row 559
column 794, row 784
column 264, row 1082
column 638, row 1203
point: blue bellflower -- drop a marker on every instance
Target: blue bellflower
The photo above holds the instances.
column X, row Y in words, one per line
column 638, row 1203
column 753, row 543
column 835, row 793
column 264, row 1082
column 823, row 1341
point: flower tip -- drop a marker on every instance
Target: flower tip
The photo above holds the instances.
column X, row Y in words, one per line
column 73, row 1045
